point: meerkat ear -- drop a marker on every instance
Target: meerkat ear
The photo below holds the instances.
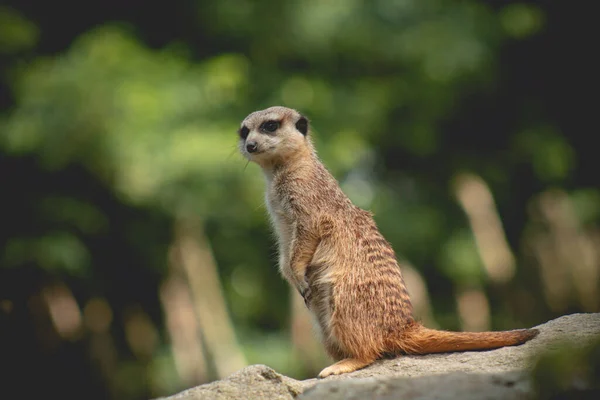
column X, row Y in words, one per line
column 302, row 125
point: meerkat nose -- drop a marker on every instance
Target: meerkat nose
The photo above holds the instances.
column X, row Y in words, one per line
column 251, row 146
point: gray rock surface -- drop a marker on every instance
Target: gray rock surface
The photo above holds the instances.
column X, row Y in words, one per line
column 253, row 382
column 496, row 374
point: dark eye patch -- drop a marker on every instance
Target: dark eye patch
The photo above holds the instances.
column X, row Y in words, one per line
column 269, row 126
column 244, row 131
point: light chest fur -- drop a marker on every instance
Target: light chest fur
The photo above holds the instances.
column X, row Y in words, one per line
column 282, row 222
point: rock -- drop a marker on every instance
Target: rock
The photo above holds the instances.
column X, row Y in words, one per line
column 497, row 374
column 253, row 382
column 572, row 372
column 456, row 385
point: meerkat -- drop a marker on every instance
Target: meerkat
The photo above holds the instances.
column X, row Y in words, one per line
column 333, row 254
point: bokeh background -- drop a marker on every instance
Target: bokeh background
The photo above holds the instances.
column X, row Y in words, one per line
column 135, row 253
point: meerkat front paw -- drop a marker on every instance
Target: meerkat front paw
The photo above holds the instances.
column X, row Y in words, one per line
column 304, row 289
column 306, row 294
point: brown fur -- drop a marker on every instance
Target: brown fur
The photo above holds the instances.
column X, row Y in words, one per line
column 332, row 252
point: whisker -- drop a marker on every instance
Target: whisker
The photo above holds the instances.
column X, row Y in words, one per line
column 232, row 152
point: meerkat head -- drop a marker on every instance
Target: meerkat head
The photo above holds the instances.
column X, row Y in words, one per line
column 274, row 135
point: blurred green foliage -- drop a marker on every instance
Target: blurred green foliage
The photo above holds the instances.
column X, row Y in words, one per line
column 121, row 119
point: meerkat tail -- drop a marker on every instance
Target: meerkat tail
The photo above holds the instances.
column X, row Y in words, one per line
column 421, row 340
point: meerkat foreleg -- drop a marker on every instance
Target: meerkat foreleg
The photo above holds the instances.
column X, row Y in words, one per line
column 303, row 247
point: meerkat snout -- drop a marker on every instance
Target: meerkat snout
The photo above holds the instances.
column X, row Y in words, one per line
column 251, row 146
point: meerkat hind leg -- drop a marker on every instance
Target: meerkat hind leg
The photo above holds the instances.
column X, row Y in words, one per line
column 344, row 366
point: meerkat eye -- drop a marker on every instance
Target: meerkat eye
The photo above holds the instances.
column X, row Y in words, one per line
column 244, row 131
column 270, row 126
